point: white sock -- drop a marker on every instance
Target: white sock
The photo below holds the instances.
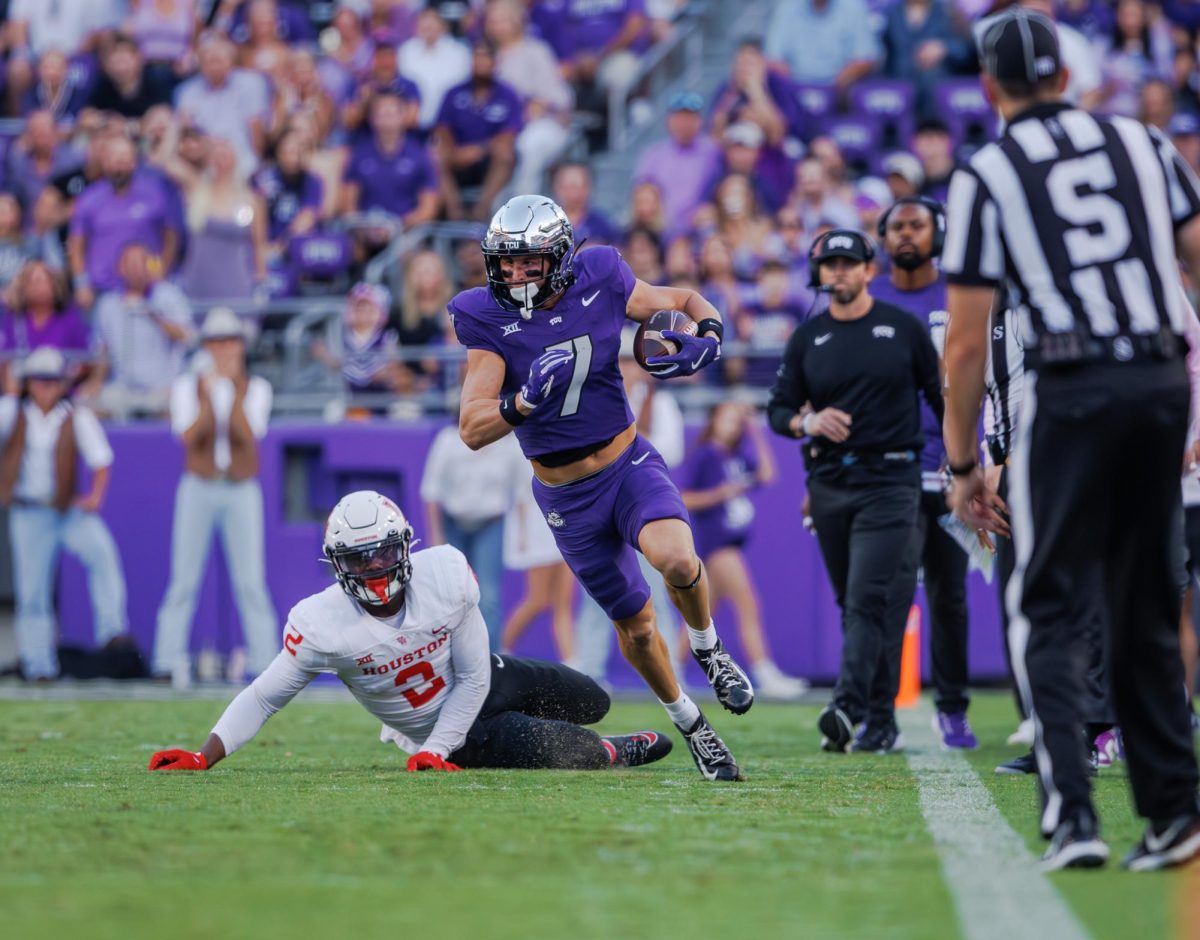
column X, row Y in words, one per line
column 683, row 710
column 704, row 639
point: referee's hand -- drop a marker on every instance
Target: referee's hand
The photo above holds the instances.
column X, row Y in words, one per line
column 978, row 506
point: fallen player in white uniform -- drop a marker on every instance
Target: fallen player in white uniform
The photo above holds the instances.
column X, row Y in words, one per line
column 405, row 635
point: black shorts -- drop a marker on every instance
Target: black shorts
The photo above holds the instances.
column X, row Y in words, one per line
column 531, row 719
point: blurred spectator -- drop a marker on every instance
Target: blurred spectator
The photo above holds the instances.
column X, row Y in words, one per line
column 55, row 89
column 731, row 458
column 290, row 193
column 1140, row 50
column 16, row 247
column 395, row 18
column 573, row 191
column 367, row 359
column 475, row 136
column 646, row 209
column 598, row 42
column 826, row 150
column 1184, row 129
column 423, row 317
column 299, row 91
column 1093, row 19
column 787, row 245
column 528, row 66
column 292, row 20
column 44, row 436
column 347, row 42
column 643, row 252
column 768, row 316
column 390, row 172
column 741, row 224
column 903, row 174
column 383, row 77
column 823, row 41
column 1156, row 103
column 125, row 87
column 40, row 314
column 143, row 329
column 35, row 27
column 262, row 49
column 122, row 207
column 872, row 197
column 227, row 228
column 814, row 200
column 435, row 61
column 684, row 166
column 37, row 156
column 743, row 145
column 718, row 281
column 163, row 30
column 466, row 494
column 934, row 147
column 922, row 44
column 219, row 415
column 1082, row 59
column 327, row 163
column 225, row 102
column 472, row 270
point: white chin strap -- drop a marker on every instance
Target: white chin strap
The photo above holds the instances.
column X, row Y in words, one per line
column 524, row 294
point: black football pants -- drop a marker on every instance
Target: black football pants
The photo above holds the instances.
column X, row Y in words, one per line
column 863, row 530
column 1093, row 486
column 531, row 719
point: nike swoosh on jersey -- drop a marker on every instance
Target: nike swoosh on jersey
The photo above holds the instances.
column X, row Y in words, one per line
column 441, row 629
column 587, row 301
column 640, row 459
column 822, row 339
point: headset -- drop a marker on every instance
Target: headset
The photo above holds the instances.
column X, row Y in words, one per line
column 936, row 209
column 814, row 266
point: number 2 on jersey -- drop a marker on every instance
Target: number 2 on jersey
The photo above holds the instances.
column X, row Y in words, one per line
column 581, row 346
column 425, row 671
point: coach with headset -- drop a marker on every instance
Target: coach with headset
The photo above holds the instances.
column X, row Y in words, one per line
column 912, row 232
column 859, row 366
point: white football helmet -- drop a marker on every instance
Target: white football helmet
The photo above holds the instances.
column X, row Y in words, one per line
column 367, row 540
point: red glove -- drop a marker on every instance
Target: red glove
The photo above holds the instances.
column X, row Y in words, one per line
column 424, row 760
column 176, row 759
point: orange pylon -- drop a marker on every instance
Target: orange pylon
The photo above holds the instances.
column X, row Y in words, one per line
column 910, row 661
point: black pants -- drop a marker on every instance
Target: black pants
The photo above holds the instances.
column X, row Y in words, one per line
column 531, row 717
column 1094, row 482
column 945, row 566
column 863, row 530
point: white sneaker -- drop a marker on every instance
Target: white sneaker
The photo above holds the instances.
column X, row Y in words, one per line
column 1023, row 736
column 773, row 683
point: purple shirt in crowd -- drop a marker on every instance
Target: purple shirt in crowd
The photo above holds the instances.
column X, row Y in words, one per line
column 597, row 228
column 109, row 221
column 588, row 26
column 392, row 182
column 588, row 319
column 929, row 306
column 475, row 122
column 287, row 197
column 705, row 468
column 65, row 331
column 24, row 181
column 683, row 176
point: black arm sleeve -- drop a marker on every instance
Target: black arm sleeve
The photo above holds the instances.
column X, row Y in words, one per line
column 925, row 367
column 789, row 393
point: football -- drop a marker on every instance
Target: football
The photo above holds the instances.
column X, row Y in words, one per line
column 648, row 342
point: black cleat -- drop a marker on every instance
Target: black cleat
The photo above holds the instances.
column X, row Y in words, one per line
column 1076, row 843
column 729, row 681
column 1025, row 764
column 634, row 750
column 1177, row 844
column 836, row 729
column 878, row 739
column 713, row 759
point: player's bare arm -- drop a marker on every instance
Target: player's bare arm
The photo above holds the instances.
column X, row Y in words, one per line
column 479, row 419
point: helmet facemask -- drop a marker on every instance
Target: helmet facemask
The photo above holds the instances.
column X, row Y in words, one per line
column 374, row 574
column 529, row 226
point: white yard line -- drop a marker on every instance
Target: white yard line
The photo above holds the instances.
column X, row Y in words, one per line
column 989, row 870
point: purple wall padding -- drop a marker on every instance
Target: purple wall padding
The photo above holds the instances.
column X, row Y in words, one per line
column 305, row 467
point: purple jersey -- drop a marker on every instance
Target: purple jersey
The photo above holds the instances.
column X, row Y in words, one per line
column 392, row 182
column 474, row 122
column 587, row 319
column 708, row 466
column 108, row 221
column 590, row 25
column 286, row 197
column 929, row 306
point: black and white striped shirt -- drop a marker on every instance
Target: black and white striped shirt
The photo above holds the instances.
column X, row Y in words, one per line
column 1004, row 381
column 1076, row 214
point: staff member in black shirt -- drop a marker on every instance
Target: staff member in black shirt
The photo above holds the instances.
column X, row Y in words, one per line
column 860, row 366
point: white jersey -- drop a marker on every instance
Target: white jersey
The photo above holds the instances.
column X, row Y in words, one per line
column 424, row 673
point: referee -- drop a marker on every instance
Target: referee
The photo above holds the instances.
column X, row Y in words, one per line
column 1076, row 213
column 860, row 366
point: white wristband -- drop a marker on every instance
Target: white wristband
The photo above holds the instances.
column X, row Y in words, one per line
column 804, row 423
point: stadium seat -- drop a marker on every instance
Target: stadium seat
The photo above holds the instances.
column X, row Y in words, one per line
column 815, row 106
column 966, row 112
column 891, row 103
column 858, row 139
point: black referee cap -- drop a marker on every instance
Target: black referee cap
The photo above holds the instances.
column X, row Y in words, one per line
column 1019, row 47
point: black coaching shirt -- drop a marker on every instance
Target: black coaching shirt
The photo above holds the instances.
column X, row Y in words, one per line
column 871, row 368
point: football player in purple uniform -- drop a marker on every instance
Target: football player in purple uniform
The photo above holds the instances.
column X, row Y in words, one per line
column 543, row 342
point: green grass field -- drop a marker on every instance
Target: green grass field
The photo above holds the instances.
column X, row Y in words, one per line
column 314, row 827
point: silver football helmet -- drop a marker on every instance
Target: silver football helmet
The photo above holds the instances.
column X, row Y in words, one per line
column 529, row 225
column 367, row 540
